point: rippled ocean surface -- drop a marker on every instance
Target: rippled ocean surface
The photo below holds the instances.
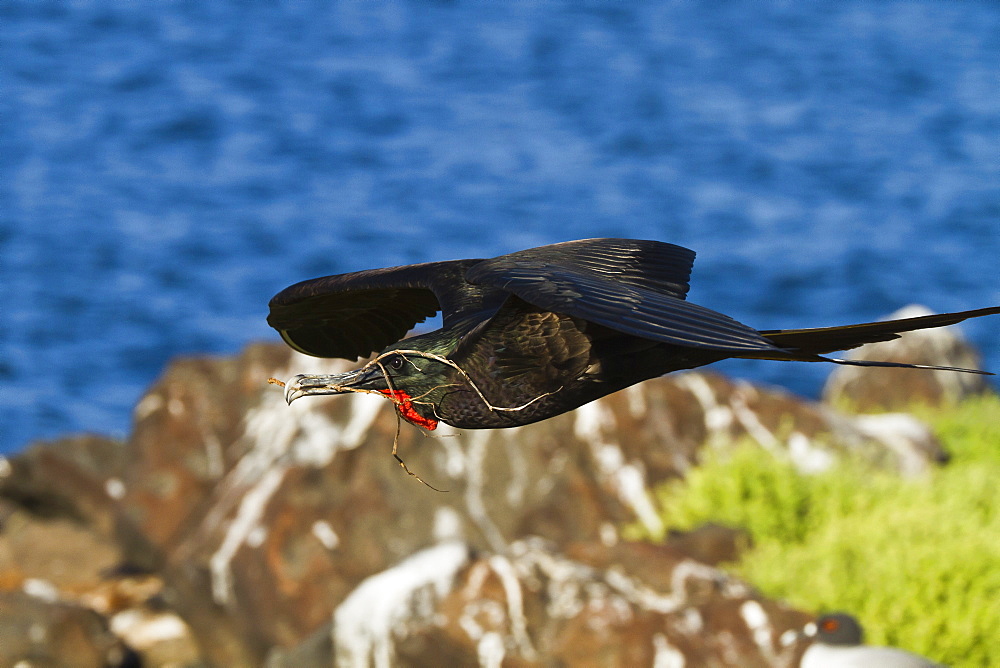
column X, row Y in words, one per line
column 166, row 167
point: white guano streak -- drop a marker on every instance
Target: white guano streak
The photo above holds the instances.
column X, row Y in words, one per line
column 515, row 605
column 250, row 511
column 627, row 480
column 364, row 624
column 280, row 436
column 666, row 656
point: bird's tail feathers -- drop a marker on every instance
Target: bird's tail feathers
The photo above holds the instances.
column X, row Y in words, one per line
column 902, row 365
column 823, row 340
column 799, row 356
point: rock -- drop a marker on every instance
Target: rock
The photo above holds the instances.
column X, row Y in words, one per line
column 157, row 638
column 76, row 478
column 38, row 630
column 240, row 528
column 56, row 540
column 58, row 517
column 61, row 568
column 630, row 604
column 63, row 554
column 54, row 574
column 810, row 435
column 263, row 517
column 872, row 389
column 711, row 544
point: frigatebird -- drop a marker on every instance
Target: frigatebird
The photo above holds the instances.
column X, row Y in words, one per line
column 536, row 333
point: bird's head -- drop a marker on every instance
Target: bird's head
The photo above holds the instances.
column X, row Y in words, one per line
column 836, row 628
column 415, row 381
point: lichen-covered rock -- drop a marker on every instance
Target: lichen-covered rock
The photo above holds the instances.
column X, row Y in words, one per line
column 61, row 571
column 36, row 629
column 534, row 605
column 265, row 516
column 76, row 478
column 64, row 554
column 887, row 389
column 247, row 526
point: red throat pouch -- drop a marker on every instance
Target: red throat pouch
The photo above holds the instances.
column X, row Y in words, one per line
column 404, row 404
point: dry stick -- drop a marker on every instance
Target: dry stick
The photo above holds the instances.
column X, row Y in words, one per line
column 433, row 407
column 468, row 379
column 399, row 421
column 413, row 400
column 395, row 443
column 395, row 440
column 395, row 400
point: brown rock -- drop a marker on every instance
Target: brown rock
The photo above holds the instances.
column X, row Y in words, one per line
column 626, row 605
column 63, row 554
column 711, row 544
column 187, row 435
column 37, row 630
column 61, row 570
column 56, row 540
column 264, row 517
column 157, row 637
column 268, row 530
column 76, row 478
column 872, row 389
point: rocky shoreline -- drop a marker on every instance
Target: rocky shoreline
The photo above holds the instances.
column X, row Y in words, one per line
column 232, row 530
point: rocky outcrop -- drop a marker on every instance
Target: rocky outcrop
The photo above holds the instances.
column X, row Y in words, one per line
column 586, row 604
column 67, row 597
column 38, row 630
column 871, row 389
column 245, row 530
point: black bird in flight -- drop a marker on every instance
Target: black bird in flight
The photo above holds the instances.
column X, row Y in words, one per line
column 536, row 333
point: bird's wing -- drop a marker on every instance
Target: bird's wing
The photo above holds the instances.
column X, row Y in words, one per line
column 353, row 315
column 653, row 265
column 634, row 287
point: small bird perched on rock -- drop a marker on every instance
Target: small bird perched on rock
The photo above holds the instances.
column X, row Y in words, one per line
column 838, row 644
column 536, row 333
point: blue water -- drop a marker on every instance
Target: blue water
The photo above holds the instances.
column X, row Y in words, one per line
column 166, row 167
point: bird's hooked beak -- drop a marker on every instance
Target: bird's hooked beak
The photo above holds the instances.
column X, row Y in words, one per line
column 358, row 380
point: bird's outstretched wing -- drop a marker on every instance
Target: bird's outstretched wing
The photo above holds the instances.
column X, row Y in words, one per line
column 634, row 287
column 653, row 265
column 353, row 315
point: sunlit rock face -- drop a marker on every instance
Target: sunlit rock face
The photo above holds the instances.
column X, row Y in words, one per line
column 533, row 604
column 253, row 529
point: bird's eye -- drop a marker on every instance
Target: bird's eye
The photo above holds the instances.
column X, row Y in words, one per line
column 395, row 362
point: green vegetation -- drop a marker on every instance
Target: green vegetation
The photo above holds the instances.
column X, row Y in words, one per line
column 917, row 560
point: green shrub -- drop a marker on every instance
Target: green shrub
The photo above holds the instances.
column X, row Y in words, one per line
column 917, row 560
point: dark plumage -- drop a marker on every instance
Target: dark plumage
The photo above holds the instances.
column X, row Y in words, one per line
column 533, row 334
column 839, row 642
